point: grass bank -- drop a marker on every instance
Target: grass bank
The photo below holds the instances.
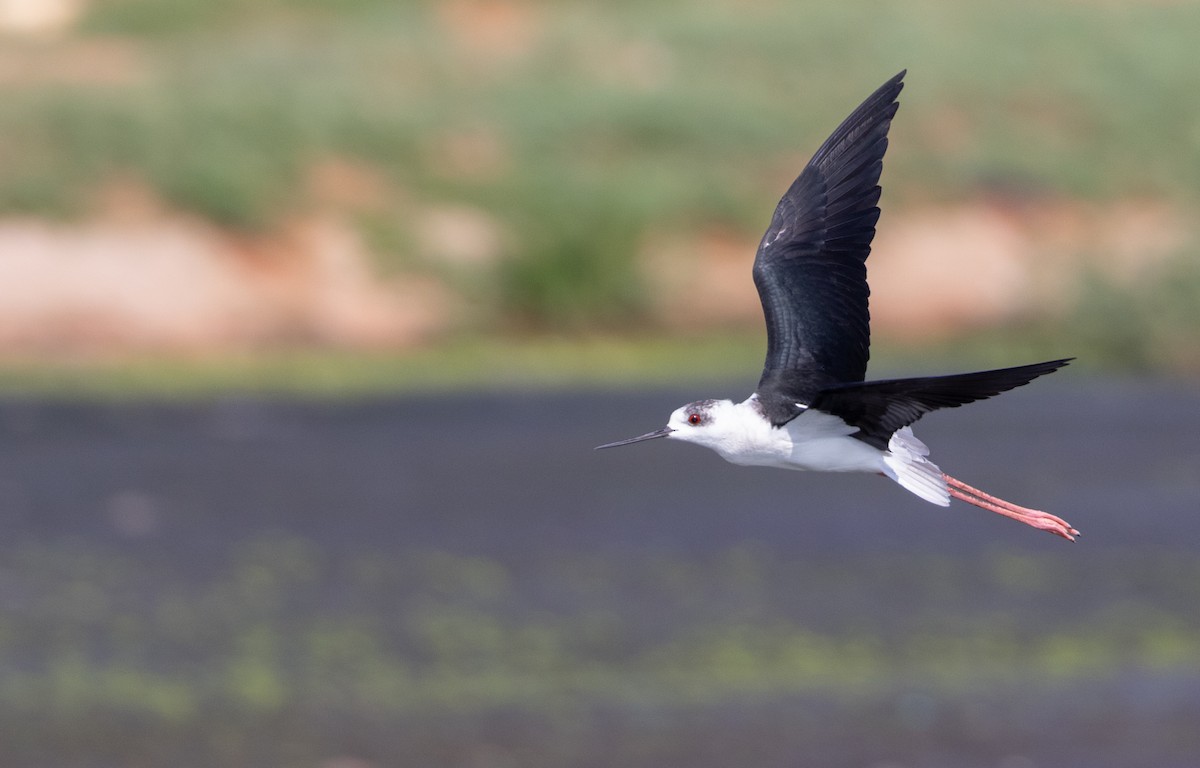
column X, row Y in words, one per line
column 579, row 129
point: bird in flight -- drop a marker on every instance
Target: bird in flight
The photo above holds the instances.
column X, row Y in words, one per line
column 812, row 409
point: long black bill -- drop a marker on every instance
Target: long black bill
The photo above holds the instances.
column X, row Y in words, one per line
column 648, row 436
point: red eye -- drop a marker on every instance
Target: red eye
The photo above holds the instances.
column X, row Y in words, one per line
column 695, row 419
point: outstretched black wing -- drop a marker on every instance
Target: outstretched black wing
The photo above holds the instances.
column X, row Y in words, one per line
column 879, row 408
column 810, row 270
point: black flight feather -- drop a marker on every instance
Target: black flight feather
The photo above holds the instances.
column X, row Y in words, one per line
column 810, row 269
column 879, row 408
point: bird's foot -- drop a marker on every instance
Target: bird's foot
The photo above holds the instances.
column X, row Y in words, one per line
column 1033, row 517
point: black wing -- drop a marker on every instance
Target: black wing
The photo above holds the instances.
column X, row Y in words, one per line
column 811, row 271
column 879, row 408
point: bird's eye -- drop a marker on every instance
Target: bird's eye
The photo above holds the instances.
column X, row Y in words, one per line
column 695, row 419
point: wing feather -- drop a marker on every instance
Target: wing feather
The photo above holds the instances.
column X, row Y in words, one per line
column 810, row 269
column 879, row 408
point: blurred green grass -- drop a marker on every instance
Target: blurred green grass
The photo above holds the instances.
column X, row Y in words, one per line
column 603, row 123
column 545, row 362
column 512, row 363
column 294, row 638
column 631, row 97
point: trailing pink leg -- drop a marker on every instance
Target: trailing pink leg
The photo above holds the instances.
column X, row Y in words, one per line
column 1034, row 517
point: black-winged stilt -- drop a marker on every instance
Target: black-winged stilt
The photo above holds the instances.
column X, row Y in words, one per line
column 812, row 408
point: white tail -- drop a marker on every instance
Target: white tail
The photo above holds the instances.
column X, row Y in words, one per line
column 906, row 463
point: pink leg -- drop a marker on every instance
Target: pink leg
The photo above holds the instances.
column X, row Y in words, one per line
column 1035, row 517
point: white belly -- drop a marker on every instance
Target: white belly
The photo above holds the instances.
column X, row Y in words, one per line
column 813, row 441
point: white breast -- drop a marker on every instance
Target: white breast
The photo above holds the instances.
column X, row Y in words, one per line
column 813, row 441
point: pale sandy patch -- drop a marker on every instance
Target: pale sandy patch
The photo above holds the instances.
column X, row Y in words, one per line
column 178, row 284
column 937, row 270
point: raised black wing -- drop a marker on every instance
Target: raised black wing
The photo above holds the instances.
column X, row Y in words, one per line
column 879, row 408
column 811, row 271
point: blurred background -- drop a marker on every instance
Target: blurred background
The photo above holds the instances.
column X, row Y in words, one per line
column 312, row 310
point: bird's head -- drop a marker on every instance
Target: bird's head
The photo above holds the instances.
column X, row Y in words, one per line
column 704, row 422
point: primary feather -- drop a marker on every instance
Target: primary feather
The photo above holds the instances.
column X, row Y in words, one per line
column 810, row 269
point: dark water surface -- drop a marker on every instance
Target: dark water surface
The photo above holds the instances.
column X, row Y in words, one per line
column 462, row 580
